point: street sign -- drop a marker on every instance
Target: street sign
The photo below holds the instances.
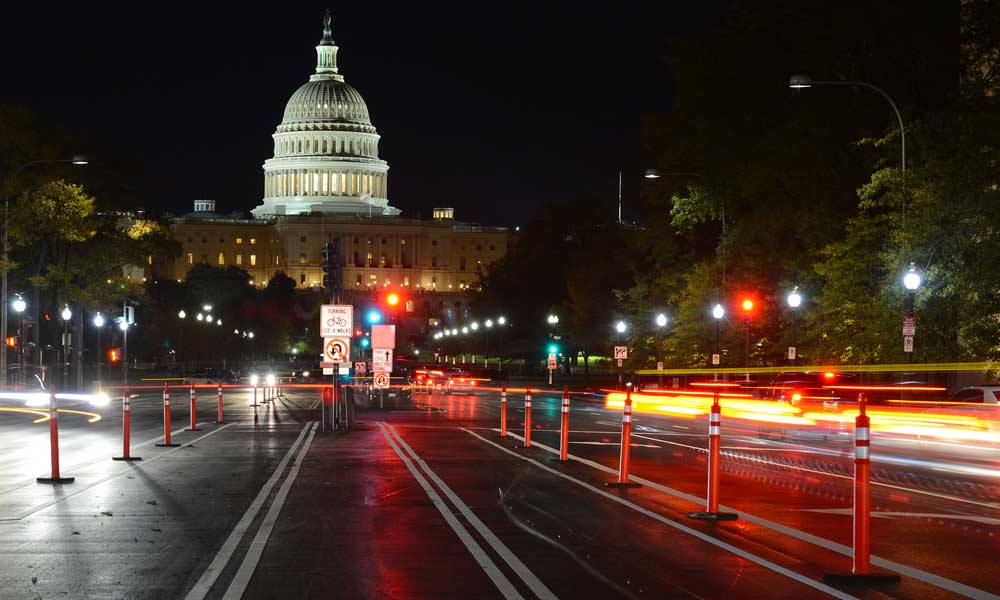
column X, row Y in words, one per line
column 360, row 368
column 909, row 326
column 382, row 360
column 552, row 362
column 791, row 353
column 384, row 336
column 908, row 343
column 336, row 321
column 659, row 365
column 716, row 359
column 381, row 380
column 621, row 352
column 328, row 370
column 337, row 350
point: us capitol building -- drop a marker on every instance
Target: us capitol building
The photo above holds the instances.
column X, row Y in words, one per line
column 325, row 182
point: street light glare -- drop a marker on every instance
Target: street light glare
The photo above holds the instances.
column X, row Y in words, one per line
column 747, row 304
column 123, row 325
column 80, row 159
column 489, row 323
column 19, row 304
column 651, row 174
column 798, row 82
column 474, row 326
column 207, row 308
column 620, row 326
column 209, row 318
column 553, row 319
column 912, row 279
column 98, row 320
column 67, row 314
column 182, row 314
column 200, row 317
column 502, row 321
column 718, row 312
column 795, row 298
column 661, row 320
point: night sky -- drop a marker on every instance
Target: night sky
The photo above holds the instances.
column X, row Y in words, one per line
column 494, row 110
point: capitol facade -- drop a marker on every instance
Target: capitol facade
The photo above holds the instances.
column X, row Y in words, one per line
column 324, row 183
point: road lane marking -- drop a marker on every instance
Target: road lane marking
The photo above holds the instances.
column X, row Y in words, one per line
column 931, row 578
column 888, row 514
column 676, row 525
column 492, row 570
column 499, row 547
column 207, row 579
column 250, row 561
column 617, row 444
column 75, row 492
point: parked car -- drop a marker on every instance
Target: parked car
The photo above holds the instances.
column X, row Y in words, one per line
column 986, row 394
column 210, row 377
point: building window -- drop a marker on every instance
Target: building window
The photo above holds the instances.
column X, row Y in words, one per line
column 302, row 259
column 277, row 260
column 461, row 263
column 434, row 261
column 222, row 241
column 406, row 280
column 239, row 241
column 358, row 282
column 253, row 241
column 239, row 259
column 222, row 258
column 370, row 258
column 434, row 242
column 204, row 259
column 302, row 239
column 479, row 247
column 190, row 258
column 402, row 242
column 434, row 281
column 492, row 248
column 149, row 259
column 302, row 278
column 253, row 259
column 381, row 261
column 204, row 241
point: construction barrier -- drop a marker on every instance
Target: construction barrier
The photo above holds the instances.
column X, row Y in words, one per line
column 564, row 427
column 126, row 427
column 861, row 570
column 626, row 443
column 166, row 419
column 503, row 410
column 219, row 420
column 54, row 442
column 194, row 410
column 527, row 417
column 714, row 456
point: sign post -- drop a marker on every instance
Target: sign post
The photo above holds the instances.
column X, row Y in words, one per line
column 909, row 332
column 621, row 354
column 336, row 326
column 552, row 365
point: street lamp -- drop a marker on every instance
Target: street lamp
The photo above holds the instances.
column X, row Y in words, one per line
column 501, row 321
column 489, row 323
column 200, row 317
column 99, row 324
column 66, row 315
column 182, row 314
column 77, row 159
column 19, row 306
column 620, row 327
column 911, row 281
column 661, row 323
column 794, row 301
column 718, row 312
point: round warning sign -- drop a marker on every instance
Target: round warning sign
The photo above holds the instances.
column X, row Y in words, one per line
column 381, row 380
column 336, row 350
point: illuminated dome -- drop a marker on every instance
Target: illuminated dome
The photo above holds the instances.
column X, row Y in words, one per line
column 326, row 149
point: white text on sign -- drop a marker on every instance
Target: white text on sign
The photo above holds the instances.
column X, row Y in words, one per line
column 382, row 360
column 336, row 320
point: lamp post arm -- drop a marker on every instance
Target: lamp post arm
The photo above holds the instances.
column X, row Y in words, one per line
column 899, row 117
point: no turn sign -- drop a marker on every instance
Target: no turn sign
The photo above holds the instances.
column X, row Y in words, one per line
column 381, row 380
column 336, row 350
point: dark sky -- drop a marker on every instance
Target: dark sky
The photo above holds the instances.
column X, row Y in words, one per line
column 491, row 109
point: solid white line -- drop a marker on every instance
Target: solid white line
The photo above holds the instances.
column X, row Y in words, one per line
column 35, row 509
column 242, row 578
column 931, row 578
column 499, row 547
column 492, row 570
column 688, row 530
column 207, row 579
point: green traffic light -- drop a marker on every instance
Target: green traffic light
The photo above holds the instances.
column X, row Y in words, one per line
column 553, row 348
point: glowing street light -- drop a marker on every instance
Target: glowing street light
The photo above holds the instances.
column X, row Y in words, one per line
column 620, row 327
column 98, row 320
column 718, row 312
column 661, row 320
column 502, row 321
column 553, row 319
column 200, row 317
column 19, row 305
column 66, row 314
column 181, row 314
column 489, row 323
column 474, row 326
column 794, row 301
column 912, row 280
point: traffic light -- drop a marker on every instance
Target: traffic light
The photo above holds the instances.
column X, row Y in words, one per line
column 392, row 299
column 332, row 267
column 358, row 332
column 747, row 305
column 114, row 355
column 365, row 342
column 12, row 341
column 553, row 348
column 374, row 316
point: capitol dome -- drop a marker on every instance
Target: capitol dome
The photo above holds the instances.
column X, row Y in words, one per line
column 326, row 149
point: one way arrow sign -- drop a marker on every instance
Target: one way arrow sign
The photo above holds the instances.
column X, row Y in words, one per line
column 382, row 360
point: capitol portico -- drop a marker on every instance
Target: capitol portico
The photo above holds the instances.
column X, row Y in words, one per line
column 326, row 148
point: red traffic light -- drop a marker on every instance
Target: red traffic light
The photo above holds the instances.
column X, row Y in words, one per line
column 113, row 355
column 392, row 299
column 358, row 333
column 747, row 304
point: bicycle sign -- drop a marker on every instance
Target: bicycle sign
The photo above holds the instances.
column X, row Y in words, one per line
column 621, row 352
column 336, row 320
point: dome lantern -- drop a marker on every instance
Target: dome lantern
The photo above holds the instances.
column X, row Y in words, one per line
column 326, row 53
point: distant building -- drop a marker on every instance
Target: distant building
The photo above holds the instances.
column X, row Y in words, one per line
column 325, row 182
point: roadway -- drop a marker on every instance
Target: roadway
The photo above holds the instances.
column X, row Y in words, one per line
column 426, row 500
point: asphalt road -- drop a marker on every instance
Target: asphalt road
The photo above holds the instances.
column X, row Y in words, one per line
column 426, row 500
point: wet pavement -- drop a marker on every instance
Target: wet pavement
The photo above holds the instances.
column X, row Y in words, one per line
column 426, row 500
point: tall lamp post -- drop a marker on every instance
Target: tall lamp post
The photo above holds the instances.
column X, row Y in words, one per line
column 661, row 325
column 718, row 313
column 501, row 323
column 911, row 281
column 794, row 300
column 19, row 305
column 553, row 321
column 620, row 327
column 77, row 159
column 489, row 326
column 99, row 325
column 66, row 315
